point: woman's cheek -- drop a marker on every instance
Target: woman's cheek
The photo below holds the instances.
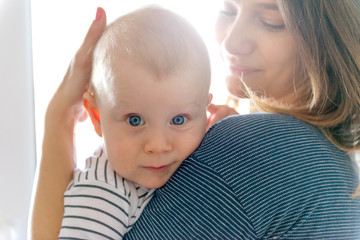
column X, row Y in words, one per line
column 220, row 27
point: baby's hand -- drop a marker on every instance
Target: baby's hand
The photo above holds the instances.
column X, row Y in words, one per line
column 218, row 112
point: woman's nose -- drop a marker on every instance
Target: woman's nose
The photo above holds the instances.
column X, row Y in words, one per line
column 158, row 142
column 238, row 37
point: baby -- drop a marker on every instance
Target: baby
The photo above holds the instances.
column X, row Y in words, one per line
column 147, row 98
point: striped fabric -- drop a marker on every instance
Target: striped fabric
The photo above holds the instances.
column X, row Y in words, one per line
column 99, row 204
column 257, row 176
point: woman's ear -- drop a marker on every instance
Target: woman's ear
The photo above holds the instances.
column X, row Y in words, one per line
column 90, row 106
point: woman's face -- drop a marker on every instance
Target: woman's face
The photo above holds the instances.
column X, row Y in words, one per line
column 255, row 44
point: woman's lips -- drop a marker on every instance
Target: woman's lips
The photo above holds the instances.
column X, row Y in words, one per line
column 241, row 70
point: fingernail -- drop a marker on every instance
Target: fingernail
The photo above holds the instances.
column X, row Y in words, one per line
column 98, row 14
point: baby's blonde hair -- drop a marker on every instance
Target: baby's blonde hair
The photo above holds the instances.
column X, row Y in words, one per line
column 153, row 37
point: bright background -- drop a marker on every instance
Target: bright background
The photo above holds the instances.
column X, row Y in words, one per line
column 17, row 135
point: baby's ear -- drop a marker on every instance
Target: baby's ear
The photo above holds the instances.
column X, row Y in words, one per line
column 90, row 105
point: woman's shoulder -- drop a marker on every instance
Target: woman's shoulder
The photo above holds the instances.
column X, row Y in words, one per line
column 261, row 124
column 276, row 162
column 263, row 132
column 262, row 152
column 262, row 120
column 267, row 140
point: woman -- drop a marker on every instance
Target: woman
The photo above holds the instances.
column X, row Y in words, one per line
column 269, row 176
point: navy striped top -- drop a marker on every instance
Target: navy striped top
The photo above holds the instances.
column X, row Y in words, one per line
column 257, row 176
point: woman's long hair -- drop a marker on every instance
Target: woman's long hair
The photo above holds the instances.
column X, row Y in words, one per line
column 327, row 34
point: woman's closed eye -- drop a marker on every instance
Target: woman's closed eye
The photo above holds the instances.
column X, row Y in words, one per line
column 272, row 27
column 228, row 10
column 135, row 120
column 179, row 120
column 228, row 13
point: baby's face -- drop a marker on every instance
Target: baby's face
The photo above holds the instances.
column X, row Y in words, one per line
column 151, row 125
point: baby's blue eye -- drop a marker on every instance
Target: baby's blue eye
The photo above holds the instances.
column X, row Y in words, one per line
column 179, row 120
column 135, row 121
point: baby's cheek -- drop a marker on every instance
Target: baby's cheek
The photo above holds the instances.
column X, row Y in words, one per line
column 194, row 143
column 121, row 163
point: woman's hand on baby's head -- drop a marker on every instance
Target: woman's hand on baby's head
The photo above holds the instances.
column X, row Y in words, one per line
column 77, row 78
column 219, row 112
column 68, row 99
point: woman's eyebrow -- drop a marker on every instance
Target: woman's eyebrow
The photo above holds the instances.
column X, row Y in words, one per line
column 263, row 5
column 267, row 6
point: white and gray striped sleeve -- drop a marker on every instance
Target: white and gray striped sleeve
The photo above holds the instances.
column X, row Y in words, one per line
column 98, row 202
column 140, row 199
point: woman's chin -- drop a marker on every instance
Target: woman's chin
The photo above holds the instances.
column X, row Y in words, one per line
column 236, row 88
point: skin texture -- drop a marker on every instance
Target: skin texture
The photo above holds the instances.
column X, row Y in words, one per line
column 255, row 44
column 148, row 137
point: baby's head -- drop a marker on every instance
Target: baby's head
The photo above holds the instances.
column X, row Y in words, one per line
column 148, row 94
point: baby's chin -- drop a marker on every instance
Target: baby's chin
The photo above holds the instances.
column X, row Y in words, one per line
column 154, row 183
